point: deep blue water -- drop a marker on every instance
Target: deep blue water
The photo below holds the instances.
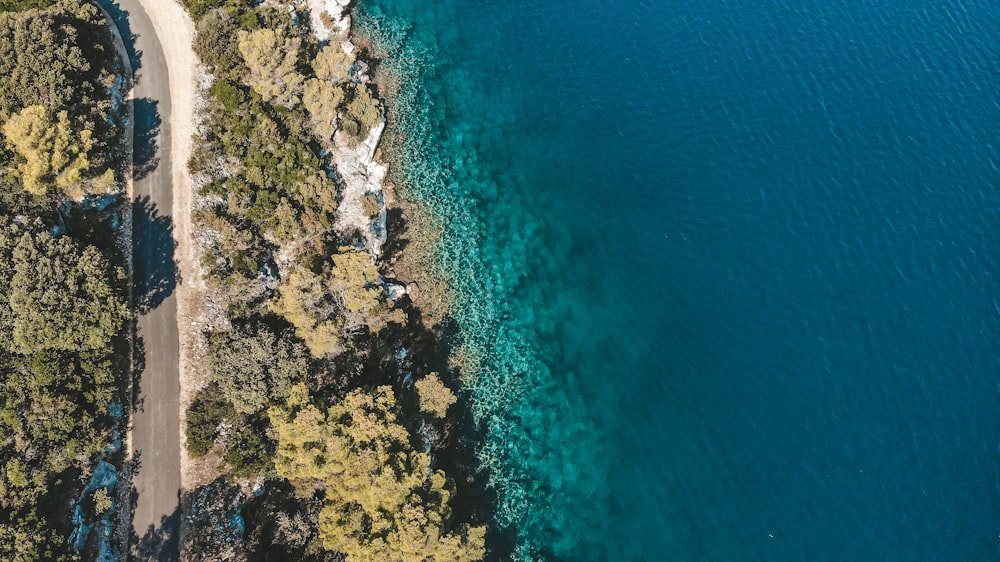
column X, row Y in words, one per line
column 729, row 267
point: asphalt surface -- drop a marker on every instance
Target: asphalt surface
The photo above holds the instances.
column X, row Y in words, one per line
column 155, row 419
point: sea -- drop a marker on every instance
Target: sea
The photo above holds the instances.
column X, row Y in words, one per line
column 728, row 271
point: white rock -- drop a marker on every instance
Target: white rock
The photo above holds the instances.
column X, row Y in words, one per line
column 394, row 291
column 338, row 12
column 413, row 290
column 361, row 175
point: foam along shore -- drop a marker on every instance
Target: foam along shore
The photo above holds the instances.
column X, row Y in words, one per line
column 355, row 162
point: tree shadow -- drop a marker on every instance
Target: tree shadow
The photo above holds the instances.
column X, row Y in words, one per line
column 214, row 525
column 145, row 157
column 396, row 225
column 121, row 21
column 156, row 274
column 160, row 543
column 138, row 367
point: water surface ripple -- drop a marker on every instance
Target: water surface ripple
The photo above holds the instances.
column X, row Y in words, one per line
column 731, row 267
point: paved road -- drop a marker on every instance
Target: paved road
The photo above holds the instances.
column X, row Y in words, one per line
column 155, row 433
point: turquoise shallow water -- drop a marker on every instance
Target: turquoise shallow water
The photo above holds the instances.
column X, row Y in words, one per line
column 731, row 268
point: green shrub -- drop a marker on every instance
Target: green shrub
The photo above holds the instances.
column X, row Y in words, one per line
column 20, row 5
column 215, row 45
column 363, row 109
column 198, row 8
column 249, row 453
column 229, row 95
column 255, row 367
column 205, row 414
column 54, row 284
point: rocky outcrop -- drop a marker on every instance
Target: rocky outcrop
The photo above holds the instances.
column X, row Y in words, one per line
column 335, row 25
column 360, row 175
column 394, row 291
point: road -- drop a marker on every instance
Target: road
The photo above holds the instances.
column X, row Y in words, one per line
column 155, row 436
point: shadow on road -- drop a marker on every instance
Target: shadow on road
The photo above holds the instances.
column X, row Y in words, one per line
column 160, row 543
column 120, row 17
column 156, row 274
column 145, row 157
column 138, row 367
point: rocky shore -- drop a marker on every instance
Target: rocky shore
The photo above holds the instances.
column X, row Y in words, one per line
column 362, row 177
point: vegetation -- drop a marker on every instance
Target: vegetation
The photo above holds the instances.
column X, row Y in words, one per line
column 272, row 59
column 60, row 58
column 255, row 367
column 58, row 296
column 18, row 5
column 362, row 113
column 55, row 72
column 51, row 154
column 332, row 64
column 322, row 100
column 326, row 309
column 435, row 397
column 309, row 304
column 382, row 500
column 62, row 297
column 310, row 323
column 205, row 416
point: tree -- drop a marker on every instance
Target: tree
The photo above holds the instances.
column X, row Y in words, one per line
column 102, row 501
column 18, row 5
column 61, row 302
column 60, row 58
column 206, row 413
column 382, row 501
column 247, row 448
column 328, row 308
column 356, row 279
column 236, row 254
column 332, row 64
column 307, row 303
column 199, row 8
column 215, row 44
column 51, row 153
column 61, row 296
column 322, row 100
column 254, row 367
column 27, row 537
column 363, row 112
column 272, row 59
column 435, row 397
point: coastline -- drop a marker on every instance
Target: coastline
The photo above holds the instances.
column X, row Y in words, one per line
column 401, row 239
column 458, row 124
column 232, row 462
column 412, row 253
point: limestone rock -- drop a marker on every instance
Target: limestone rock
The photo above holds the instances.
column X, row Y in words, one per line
column 394, row 291
column 361, row 175
column 413, row 290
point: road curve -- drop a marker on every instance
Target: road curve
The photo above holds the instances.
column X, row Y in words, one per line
column 163, row 96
